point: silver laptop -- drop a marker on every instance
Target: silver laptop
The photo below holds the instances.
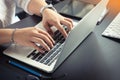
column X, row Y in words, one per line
column 49, row 61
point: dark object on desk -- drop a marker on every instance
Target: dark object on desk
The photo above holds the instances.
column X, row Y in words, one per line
column 75, row 8
column 36, row 75
column 71, row 16
column 53, row 1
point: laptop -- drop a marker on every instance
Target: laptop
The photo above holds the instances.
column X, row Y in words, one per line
column 51, row 60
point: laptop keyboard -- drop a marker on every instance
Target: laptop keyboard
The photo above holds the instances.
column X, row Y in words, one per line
column 48, row 57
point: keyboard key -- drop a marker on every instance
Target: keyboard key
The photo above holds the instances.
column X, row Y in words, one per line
column 33, row 53
column 36, row 55
column 50, row 52
column 52, row 56
column 40, row 57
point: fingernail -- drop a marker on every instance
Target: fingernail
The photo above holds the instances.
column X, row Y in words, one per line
column 42, row 51
column 66, row 36
column 53, row 42
column 48, row 49
column 52, row 45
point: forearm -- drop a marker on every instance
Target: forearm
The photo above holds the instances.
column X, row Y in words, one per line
column 5, row 35
column 34, row 6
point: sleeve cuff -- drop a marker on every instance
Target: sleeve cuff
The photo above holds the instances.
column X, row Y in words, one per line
column 24, row 4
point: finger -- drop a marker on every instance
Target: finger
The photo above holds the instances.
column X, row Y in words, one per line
column 49, row 30
column 68, row 24
column 45, row 33
column 46, row 39
column 42, row 43
column 36, row 47
column 61, row 29
column 70, row 20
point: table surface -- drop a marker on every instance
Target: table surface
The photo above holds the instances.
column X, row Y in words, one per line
column 97, row 58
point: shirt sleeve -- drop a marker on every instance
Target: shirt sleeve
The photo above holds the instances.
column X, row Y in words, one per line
column 24, row 5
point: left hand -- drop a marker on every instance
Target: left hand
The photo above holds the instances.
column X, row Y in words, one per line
column 31, row 35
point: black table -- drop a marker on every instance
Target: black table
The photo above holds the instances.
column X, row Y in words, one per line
column 97, row 58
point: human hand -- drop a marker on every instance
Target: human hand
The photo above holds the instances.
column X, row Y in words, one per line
column 52, row 18
column 32, row 35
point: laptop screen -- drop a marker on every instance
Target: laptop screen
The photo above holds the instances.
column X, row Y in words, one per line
column 81, row 30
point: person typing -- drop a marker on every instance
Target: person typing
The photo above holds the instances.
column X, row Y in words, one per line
column 31, row 35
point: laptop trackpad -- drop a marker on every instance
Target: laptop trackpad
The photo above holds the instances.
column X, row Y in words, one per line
column 16, row 49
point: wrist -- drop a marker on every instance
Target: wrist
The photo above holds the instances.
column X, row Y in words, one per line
column 13, row 35
column 47, row 7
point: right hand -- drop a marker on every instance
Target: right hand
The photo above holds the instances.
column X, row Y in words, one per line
column 52, row 18
column 32, row 35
